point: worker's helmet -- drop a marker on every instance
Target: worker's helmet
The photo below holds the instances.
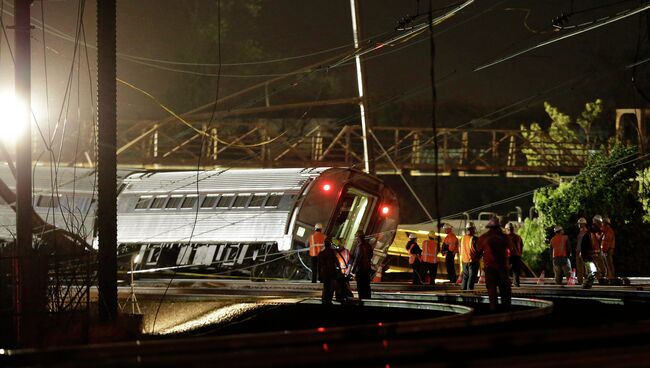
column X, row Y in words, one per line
column 446, row 226
column 494, row 222
column 606, row 220
column 432, row 234
column 318, row 226
column 582, row 220
column 557, row 228
column 510, row 226
column 413, row 236
column 470, row 225
column 598, row 219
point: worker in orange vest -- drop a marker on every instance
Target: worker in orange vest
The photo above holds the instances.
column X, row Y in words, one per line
column 315, row 243
column 415, row 254
column 430, row 249
column 468, row 257
column 343, row 291
column 449, row 250
column 516, row 251
column 607, row 245
column 596, row 242
column 560, row 247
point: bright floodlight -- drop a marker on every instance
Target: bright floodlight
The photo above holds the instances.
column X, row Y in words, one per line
column 12, row 117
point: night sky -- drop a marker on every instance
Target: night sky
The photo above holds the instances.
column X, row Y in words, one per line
column 154, row 35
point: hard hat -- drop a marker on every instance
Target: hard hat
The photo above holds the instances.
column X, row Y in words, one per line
column 318, row 226
column 494, row 222
column 607, row 220
column 582, row 220
column 413, row 236
column 598, row 218
column 557, row 228
column 446, row 226
column 432, row 234
column 470, row 225
column 510, row 226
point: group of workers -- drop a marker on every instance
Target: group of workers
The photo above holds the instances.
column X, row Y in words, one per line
column 334, row 266
column 594, row 254
column 499, row 251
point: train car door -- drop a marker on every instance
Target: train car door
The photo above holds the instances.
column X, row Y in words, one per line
column 352, row 214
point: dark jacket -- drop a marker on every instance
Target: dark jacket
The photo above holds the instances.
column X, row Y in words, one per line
column 493, row 246
column 362, row 256
column 328, row 264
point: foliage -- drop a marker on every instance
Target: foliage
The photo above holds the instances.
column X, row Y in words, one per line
column 562, row 145
column 533, row 235
column 606, row 186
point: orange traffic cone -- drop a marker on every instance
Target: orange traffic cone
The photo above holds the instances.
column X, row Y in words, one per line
column 481, row 279
column 572, row 279
column 540, row 281
column 377, row 277
column 459, row 280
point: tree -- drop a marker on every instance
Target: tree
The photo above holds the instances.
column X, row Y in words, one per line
column 608, row 186
column 565, row 143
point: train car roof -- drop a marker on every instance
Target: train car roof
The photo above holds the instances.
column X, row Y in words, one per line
column 225, row 180
column 68, row 179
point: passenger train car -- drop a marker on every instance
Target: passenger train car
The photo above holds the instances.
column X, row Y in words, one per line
column 235, row 221
column 249, row 222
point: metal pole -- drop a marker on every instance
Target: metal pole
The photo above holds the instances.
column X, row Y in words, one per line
column 363, row 100
column 107, row 159
column 23, row 305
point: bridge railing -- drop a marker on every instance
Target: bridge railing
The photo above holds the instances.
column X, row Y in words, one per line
column 410, row 148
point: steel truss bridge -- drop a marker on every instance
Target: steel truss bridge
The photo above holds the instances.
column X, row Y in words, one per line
column 461, row 151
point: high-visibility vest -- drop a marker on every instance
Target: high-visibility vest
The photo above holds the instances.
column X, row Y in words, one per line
column 467, row 249
column 596, row 238
column 412, row 257
column 559, row 244
column 517, row 244
column 430, row 251
column 609, row 240
column 343, row 256
column 452, row 242
column 316, row 243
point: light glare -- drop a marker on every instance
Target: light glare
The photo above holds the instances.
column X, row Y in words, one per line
column 12, row 121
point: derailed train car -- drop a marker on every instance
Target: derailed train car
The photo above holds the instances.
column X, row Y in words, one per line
column 248, row 222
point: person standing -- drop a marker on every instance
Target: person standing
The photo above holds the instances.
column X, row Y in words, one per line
column 415, row 254
column 586, row 269
column 516, row 251
column 362, row 265
column 596, row 240
column 328, row 271
column 315, row 244
column 492, row 247
column 449, row 250
column 560, row 247
column 468, row 257
column 607, row 245
column 430, row 249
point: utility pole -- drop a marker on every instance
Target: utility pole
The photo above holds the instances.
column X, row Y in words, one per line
column 368, row 165
column 107, row 158
column 24, row 304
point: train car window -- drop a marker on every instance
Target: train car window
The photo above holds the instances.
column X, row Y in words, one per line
column 241, row 200
column 209, row 201
column 273, row 200
column 158, row 202
column 189, row 202
column 143, row 203
column 173, row 202
column 47, row 201
column 257, row 201
column 225, row 201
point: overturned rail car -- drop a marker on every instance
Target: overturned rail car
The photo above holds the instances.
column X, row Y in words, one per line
column 248, row 222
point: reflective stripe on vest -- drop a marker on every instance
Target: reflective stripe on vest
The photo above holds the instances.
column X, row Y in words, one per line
column 559, row 245
column 343, row 256
column 316, row 243
column 452, row 242
column 429, row 251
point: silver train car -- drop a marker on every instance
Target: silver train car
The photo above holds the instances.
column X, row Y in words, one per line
column 248, row 222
